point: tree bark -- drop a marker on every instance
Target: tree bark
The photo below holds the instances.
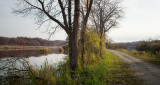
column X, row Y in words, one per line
column 73, row 52
column 101, row 49
column 82, row 42
column 73, row 38
column 101, row 44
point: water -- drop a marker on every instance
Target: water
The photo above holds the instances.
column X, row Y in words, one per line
column 51, row 59
column 17, row 60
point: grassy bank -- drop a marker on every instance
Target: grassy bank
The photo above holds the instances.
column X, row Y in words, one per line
column 146, row 56
column 110, row 70
column 118, row 72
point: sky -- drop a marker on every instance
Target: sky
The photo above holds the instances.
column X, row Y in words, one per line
column 141, row 21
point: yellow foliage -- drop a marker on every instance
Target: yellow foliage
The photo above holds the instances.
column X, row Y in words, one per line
column 134, row 52
column 92, row 46
column 91, row 40
column 53, row 80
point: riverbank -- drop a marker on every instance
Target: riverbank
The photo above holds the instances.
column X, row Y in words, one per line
column 8, row 47
column 54, row 49
column 110, row 70
column 24, row 51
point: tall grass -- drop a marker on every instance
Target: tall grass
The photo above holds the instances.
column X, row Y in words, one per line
column 145, row 55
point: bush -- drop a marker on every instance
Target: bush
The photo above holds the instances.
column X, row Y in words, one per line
column 6, row 48
column 45, row 51
column 142, row 53
column 134, row 52
column 92, row 47
column 61, row 50
column 66, row 49
column 158, row 53
column 151, row 47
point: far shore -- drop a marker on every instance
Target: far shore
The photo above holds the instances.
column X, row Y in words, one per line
column 17, row 47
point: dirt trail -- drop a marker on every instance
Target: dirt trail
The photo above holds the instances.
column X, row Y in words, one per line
column 146, row 72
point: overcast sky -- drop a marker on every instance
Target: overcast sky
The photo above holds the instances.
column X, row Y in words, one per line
column 141, row 21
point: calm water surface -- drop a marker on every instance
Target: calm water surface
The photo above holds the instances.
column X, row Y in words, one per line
column 17, row 59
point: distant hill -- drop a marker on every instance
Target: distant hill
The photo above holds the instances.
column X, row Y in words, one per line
column 59, row 43
column 123, row 45
column 25, row 41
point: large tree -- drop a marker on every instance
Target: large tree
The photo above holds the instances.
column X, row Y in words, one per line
column 55, row 13
column 106, row 14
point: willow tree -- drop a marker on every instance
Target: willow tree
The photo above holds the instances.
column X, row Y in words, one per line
column 106, row 15
column 55, row 14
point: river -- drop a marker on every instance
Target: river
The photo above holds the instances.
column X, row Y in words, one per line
column 18, row 59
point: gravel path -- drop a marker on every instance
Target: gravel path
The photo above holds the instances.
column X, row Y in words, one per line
column 146, row 72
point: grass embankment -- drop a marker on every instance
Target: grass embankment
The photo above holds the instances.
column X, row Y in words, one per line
column 146, row 56
column 117, row 71
column 111, row 70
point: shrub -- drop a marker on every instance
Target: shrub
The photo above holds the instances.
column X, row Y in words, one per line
column 142, row 53
column 149, row 53
column 92, row 47
column 124, row 50
column 150, row 46
column 6, row 48
column 158, row 53
column 134, row 52
column 45, row 51
column 61, row 50
column 66, row 49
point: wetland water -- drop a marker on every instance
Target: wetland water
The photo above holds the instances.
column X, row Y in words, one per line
column 16, row 60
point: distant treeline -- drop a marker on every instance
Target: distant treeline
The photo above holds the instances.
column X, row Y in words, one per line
column 123, row 45
column 116, row 46
column 25, row 41
column 152, row 46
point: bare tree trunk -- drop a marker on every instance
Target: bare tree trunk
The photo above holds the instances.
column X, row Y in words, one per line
column 101, row 50
column 82, row 42
column 100, row 45
column 73, row 38
column 73, row 52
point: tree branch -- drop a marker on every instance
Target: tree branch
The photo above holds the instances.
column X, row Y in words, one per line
column 63, row 13
column 69, row 14
column 52, row 18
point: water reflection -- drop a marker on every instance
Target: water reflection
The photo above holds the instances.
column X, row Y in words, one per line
column 19, row 53
column 16, row 61
column 12, row 64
